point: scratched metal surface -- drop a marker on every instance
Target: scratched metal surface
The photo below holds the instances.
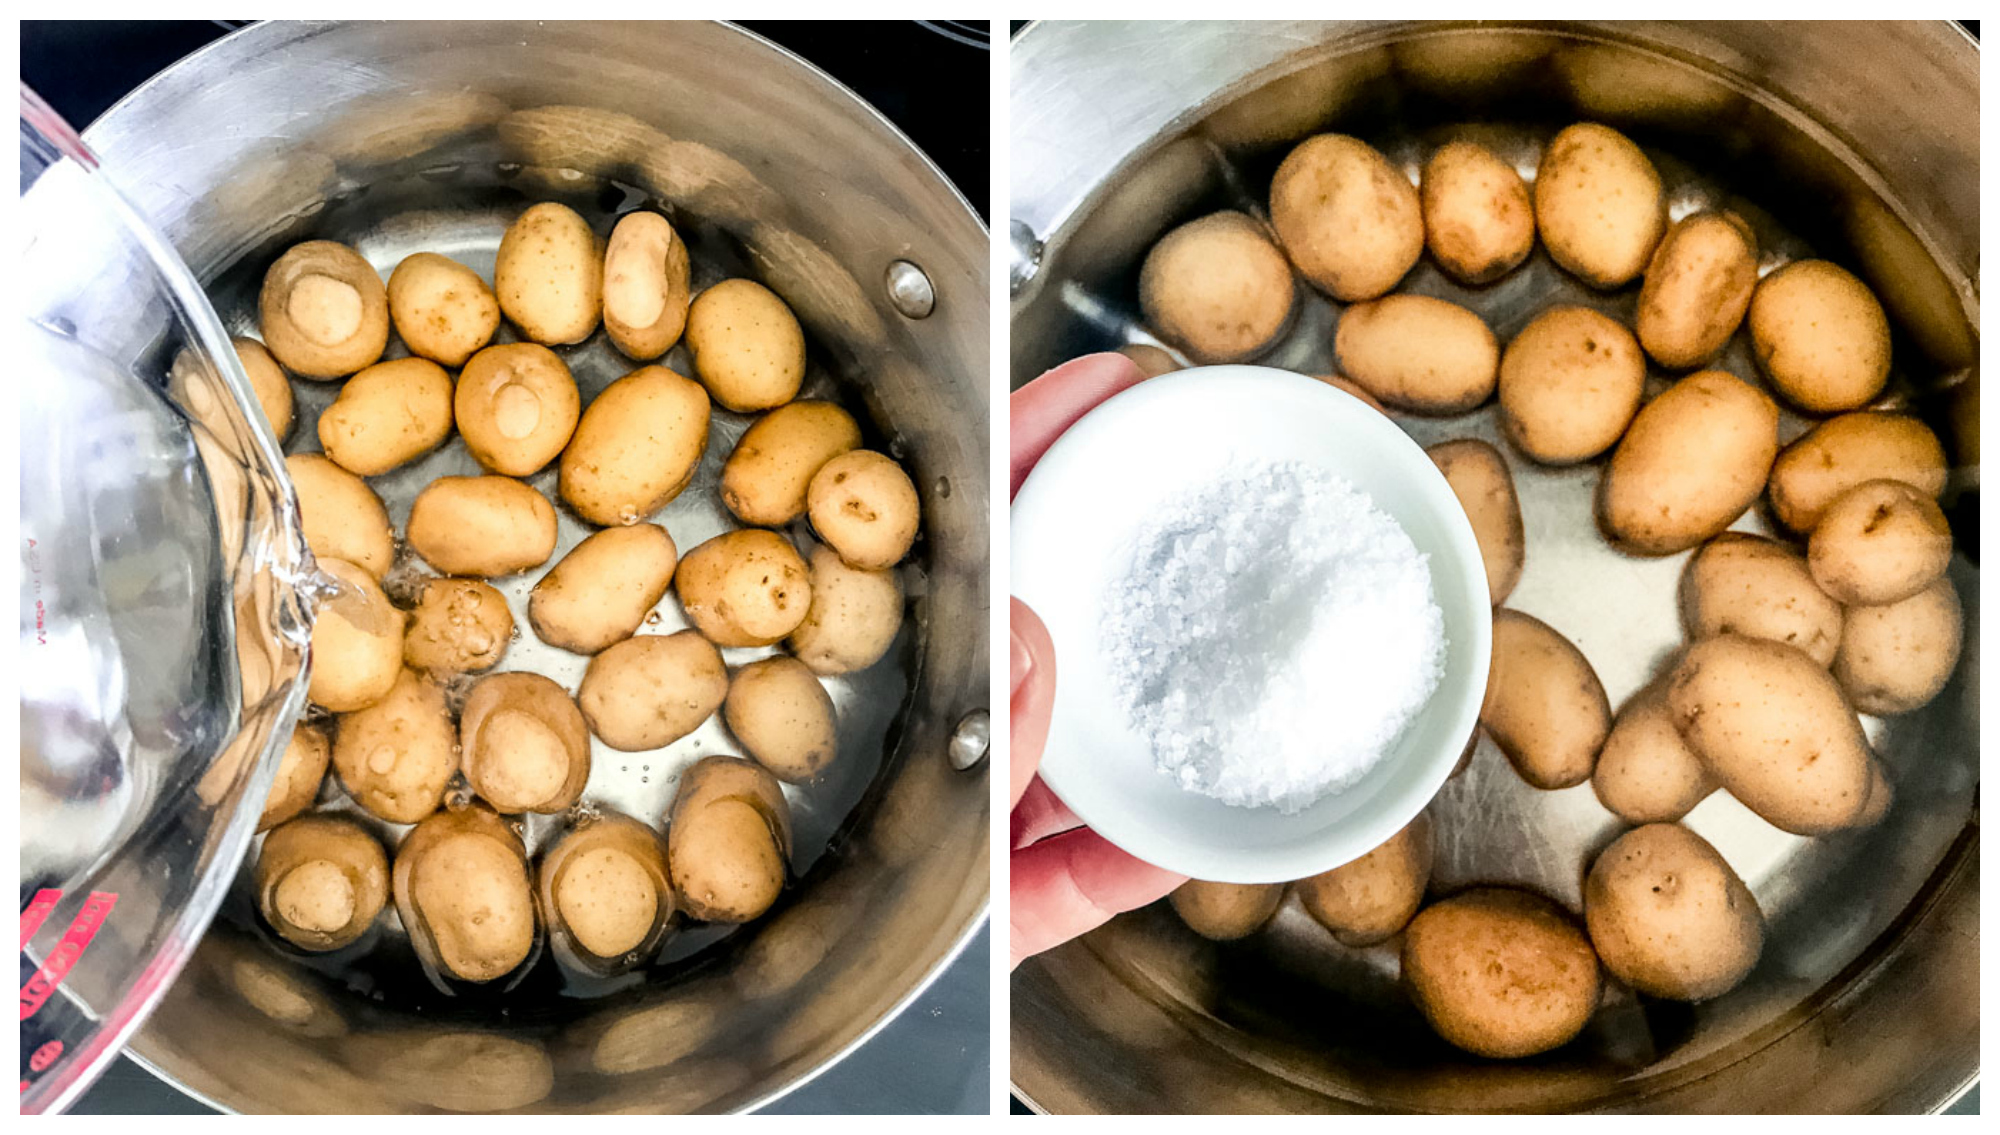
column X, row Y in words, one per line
column 1289, row 1019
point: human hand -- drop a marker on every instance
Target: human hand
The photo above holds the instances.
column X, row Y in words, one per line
column 1064, row 878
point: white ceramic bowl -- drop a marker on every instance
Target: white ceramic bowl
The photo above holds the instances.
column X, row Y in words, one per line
column 1072, row 524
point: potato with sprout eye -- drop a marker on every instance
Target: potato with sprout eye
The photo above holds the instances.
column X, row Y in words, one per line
column 636, row 447
column 341, row 516
column 729, row 840
column 602, row 591
column 1669, row 917
column 516, row 406
column 357, row 642
column 854, row 616
column 748, row 348
column 388, row 415
column 1225, row 912
column 396, row 757
column 464, row 894
column 458, row 626
column 301, row 768
column 1879, row 542
column 863, row 506
column 777, row 708
column 1646, row 772
column 323, row 311
column 746, row 587
column 652, row 690
column 321, row 880
column 605, row 894
column 549, row 275
column 523, row 744
column 1369, row 900
column 768, row 474
column 645, row 286
column 482, row 526
column 442, row 310
column 1217, row 288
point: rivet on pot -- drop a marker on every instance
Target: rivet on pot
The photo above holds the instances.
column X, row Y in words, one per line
column 1024, row 251
column 970, row 740
column 910, row 290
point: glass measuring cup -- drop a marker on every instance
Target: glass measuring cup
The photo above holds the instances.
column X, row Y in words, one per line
column 166, row 609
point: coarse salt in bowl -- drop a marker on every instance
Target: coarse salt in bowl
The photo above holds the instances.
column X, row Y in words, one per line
column 1073, row 526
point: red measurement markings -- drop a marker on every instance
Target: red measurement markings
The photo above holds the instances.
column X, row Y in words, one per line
column 45, row 1056
column 64, row 957
column 45, row 900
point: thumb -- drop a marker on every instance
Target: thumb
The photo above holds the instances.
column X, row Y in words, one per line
column 1032, row 685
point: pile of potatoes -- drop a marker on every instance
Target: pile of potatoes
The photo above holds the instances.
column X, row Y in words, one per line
column 1788, row 640
column 476, row 904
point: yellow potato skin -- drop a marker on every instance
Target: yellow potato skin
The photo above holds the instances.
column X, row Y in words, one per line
column 1692, row 461
column 498, row 711
column 1843, row 452
column 1897, row 657
column 1669, row 917
column 1217, row 288
column 729, row 840
column 1821, row 336
column 863, row 506
column 347, row 862
column 1500, row 973
column 747, row 346
column 1570, row 384
column 645, row 286
column 301, row 768
column 323, row 311
column 388, row 415
column 603, row 589
column 1369, row 900
column 1697, row 288
column 1773, row 727
column 651, row 690
column 516, row 406
column 396, row 757
column 457, row 626
column 785, row 719
column 549, row 275
column 1350, row 222
column 1479, row 220
column 1418, row 353
column 482, row 526
column 1879, row 542
column 1599, row 207
column 854, row 618
column 765, row 480
column 342, row 517
column 1479, row 477
column 357, row 642
column 636, row 447
column 463, row 878
column 1544, row 706
column 442, row 310
column 1224, row 912
column 1748, row 585
column 746, row 587
column 268, row 383
column 1646, row 773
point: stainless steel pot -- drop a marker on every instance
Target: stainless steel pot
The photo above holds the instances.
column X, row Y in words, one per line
column 407, row 135
column 1854, row 141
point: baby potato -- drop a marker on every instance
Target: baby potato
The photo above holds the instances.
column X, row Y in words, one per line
column 523, row 744
column 783, row 716
column 1500, row 973
column 442, row 310
column 1748, row 585
column 747, row 346
column 268, row 383
column 1369, row 900
column 645, row 286
column 396, row 757
column 605, row 891
column 517, row 407
column 729, row 840
column 1879, row 542
column 341, row 516
column 458, row 626
column 1418, row 353
column 300, row 770
column 323, row 311
column 746, row 587
column 1224, row 912
column 549, row 275
column 603, row 589
column 389, row 414
column 1544, row 706
column 1697, row 288
column 1897, row 657
column 1479, row 221
column 464, row 893
column 357, row 642
column 1349, row 221
column 1570, row 384
column 1152, row 360
column 863, row 506
column 1217, row 288
column 321, row 880
column 1821, row 336
column 1479, row 477
column 1772, row 726
column 1692, row 462
column 1646, row 772
column 854, row 617
column 1669, row 917
column 767, row 476
column 482, row 526
column 1843, row 452
column 651, row 690
column 1598, row 205
column 636, row 447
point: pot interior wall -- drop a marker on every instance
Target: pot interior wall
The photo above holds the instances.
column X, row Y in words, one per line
column 426, row 136
column 1144, row 1016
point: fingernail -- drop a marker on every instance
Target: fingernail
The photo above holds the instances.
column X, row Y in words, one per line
column 1021, row 664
